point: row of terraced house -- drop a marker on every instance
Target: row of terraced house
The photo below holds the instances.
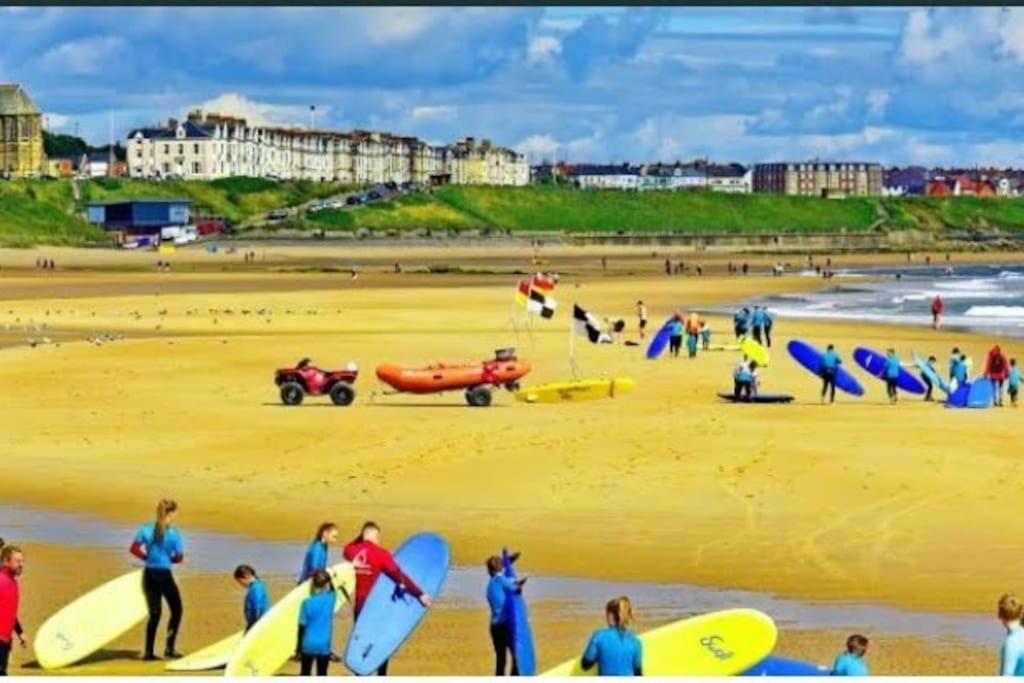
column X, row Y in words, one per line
column 211, row 146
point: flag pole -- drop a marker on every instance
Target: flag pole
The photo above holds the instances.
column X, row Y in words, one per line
column 572, row 342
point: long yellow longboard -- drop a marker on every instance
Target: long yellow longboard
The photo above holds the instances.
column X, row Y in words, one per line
column 272, row 641
column 754, row 351
column 210, row 657
column 576, row 390
column 95, row 619
column 718, row 644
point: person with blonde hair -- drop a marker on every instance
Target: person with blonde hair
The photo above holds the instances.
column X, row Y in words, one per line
column 159, row 546
column 1010, row 611
column 615, row 650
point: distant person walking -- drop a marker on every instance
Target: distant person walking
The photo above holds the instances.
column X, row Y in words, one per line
column 891, row 372
column 1013, row 382
column 12, row 562
column 928, row 384
column 851, row 662
column 675, row 336
column 1010, row 611
column 997, row 369
column 758, row 324
column 705, row 335
column 937, row 307
column 769, row 320
column 829, row 368
column 641, row 314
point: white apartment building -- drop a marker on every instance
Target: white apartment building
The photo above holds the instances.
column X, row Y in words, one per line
column 213, row 146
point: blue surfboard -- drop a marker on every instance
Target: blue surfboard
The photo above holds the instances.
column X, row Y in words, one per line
column 929, row 372
column 810, row 358
column 780, row 666
column 519, row 620
column 958, row 399
column 873, row 363
column 390, row 614
column 660, row 341
column 981, row 394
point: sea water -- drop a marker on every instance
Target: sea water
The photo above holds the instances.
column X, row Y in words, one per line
column 987, row 299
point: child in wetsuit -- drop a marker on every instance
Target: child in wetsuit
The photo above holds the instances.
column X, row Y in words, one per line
column 1013, row 382
column 316, row 625
column 851, row 662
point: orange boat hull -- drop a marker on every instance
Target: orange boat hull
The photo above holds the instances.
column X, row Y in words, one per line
column 440, row 377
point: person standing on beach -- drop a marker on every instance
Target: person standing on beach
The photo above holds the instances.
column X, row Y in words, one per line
column 851, row 662
column 159, row 545
column 675, row 336
column 705, row 335
column 500, row 589
column 829, row 367
column 929, row 386
column 757, row 324
column 891, row 372
column 954, row 360
column 692, row 333
column 641, row 314
column 316, row 625
column 1013, row 382
column 996, row 371
column 1010, row 610
column 316, row 554
column 615, row 650
column 962, row 371
column 937, row 307
column 369, row 560
column 12, row 563
column 257, row 602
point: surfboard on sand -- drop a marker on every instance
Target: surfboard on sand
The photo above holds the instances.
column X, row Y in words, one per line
column 929, row 372
column 873, row 363
column 211, row 657
column 659, row 342
column 754, row 351
column 958, row 397
column 759, row 398
column 717, row 644
column 977, row 394
column 576, row 390
column 810, row 358
column 390, row 614
column 519, row 621
column 780, row 666
column 272, row 641
column 94, row 620
column 723, row 347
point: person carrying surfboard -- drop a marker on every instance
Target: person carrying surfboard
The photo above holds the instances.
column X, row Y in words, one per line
column 316, row 625
column 997, row 368
column 316, row 554
column 1010, row 611
column 370, row 559
column 675, row 338
column 615, row 650
column 499, row 589
column 830, row 363
column 12, row 563
column 954, row 359
column 891, row 373
column 257, row 602
column 929, row 386
column 159, row 546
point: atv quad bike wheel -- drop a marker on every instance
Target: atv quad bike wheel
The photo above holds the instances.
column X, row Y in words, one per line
column 292, row 393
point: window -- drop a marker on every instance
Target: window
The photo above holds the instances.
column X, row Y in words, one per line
column 197, row 167
column 195, row 148
column 181, row 149
column 167, row 149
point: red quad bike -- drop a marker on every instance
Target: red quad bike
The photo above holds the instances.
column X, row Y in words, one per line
column 295, row 383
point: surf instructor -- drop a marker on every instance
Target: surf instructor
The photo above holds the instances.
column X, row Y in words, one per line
column 829, row 367
column 370, row 559
column 159, row 545
column 12, row 561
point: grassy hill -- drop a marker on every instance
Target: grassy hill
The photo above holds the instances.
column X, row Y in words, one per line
column 37, row 212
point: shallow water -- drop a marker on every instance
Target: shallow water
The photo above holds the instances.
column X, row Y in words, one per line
column 212, row 552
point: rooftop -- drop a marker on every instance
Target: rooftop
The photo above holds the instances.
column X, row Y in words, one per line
column 14, row 101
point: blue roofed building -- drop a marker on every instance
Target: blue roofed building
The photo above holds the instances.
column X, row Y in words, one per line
column 140, row 216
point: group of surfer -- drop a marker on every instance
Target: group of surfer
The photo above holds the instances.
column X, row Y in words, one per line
column 756, row 322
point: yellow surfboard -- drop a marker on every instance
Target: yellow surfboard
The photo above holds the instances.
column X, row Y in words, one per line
column 272, row 641
column 754, row 351
column 97, row 618
column 717, row 644
column 575, row 390
column 214, row 656
column 723, row 347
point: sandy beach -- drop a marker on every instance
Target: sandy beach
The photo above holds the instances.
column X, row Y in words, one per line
column 858, row 502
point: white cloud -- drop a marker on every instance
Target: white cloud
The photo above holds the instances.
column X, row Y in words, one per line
column 877, row 99
column 543, row 48
column 262, row 113
column 55, row 121
column 436, row 113
column 84, row 57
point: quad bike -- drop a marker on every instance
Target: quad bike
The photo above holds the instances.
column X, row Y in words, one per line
column 304, row 379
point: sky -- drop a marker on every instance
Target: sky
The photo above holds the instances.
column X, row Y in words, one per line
column 930, row 86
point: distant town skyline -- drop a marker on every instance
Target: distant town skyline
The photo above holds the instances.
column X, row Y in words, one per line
column 897, row 86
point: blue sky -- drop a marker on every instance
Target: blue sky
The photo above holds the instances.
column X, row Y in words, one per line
column 929, row 86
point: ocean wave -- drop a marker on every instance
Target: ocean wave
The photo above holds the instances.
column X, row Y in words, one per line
column 1001, row 312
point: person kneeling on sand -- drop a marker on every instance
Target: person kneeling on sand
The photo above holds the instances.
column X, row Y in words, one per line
column 615, row 650
column 745, row 380
column 1010, row 611
column 851, row 662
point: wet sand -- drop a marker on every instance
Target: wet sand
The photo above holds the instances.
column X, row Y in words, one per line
column 861, row 501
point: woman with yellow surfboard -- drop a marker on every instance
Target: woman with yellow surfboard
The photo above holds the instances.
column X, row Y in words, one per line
column 159, row 545
column 316, row 555
column 615, row 650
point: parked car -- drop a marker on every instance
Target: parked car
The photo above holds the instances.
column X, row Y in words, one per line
column 374, row 195
column 355, row 200
column 277, row 214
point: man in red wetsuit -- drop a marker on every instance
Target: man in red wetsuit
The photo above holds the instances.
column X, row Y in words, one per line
column 369, row 560
column 11, row 563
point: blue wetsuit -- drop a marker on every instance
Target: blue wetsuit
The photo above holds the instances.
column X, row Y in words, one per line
column 1012, row 655
column 314, row 561
column 616, row 652
column 847, row 664
column 257, row 603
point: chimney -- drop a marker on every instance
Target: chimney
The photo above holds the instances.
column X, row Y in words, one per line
column 172, row 123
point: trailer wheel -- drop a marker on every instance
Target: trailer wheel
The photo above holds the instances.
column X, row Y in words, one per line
column 478, row 397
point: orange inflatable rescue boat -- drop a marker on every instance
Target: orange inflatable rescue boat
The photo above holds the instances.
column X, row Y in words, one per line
column 504, row 370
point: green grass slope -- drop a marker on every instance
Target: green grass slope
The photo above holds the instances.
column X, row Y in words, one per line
column 39, row 214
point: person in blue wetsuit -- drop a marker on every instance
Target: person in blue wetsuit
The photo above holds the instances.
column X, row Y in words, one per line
column 929, row 387
column 954, row 359
column 745, row 380
column 757, row 323
column 675, row 336
column 827, row 371
column 316, row 625
column 705, row 335
column 740, row 323
column 769, row 320
column 1011, row 609
column 616, row 651
column 500, row 589
column 891, row 373
column 851, row 662
column 316, row 554
column 160, row 547
column 961, row 371
column 257, row 602
column 1013, row 382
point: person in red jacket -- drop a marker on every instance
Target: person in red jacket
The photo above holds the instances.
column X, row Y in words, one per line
column 12, row 561
column 937, row 307
column 370, row 559
column 997, row 369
